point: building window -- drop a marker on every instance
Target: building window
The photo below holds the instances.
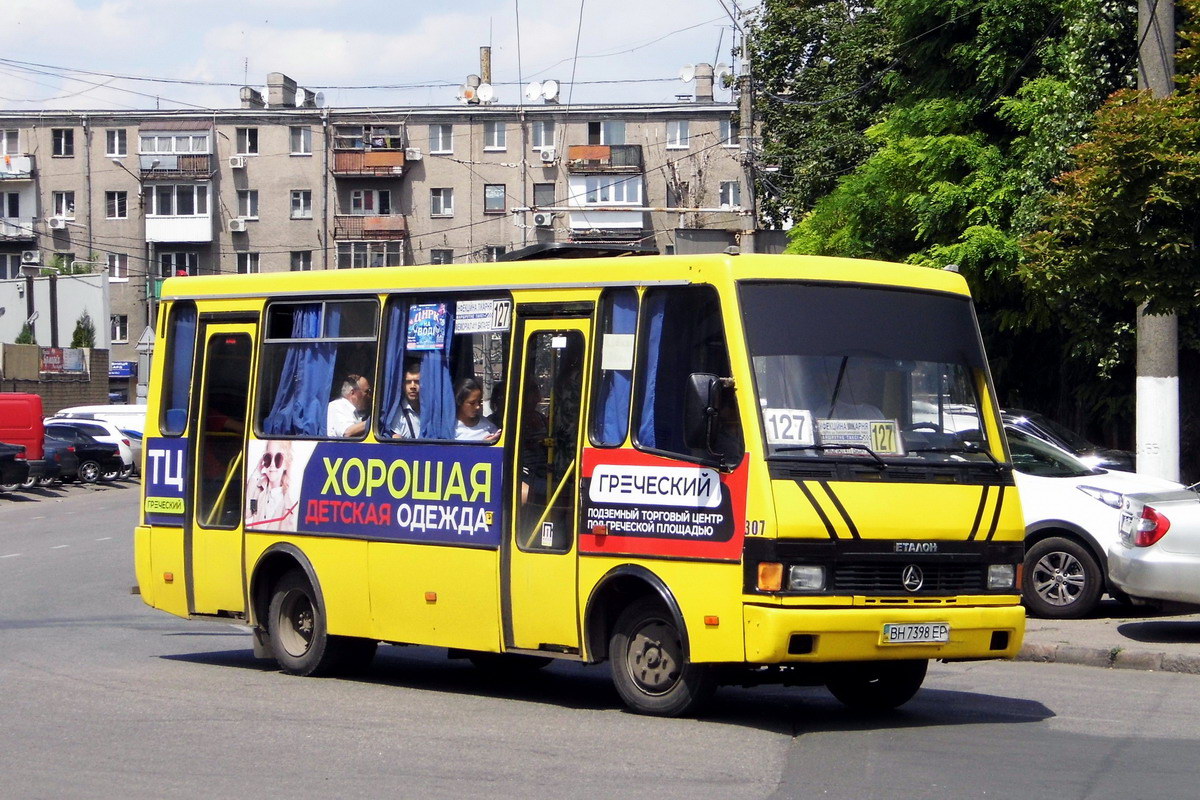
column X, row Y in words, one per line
column 119, row 328
column 605, row 189
column 247, row 141
column 64, row 204
column 118, row 267
column 543, row 195
column 10, row 266
column 493, row 198
column 301, row 140
column 441, row 202
column 248, row 203
column 728, row 133
column 10, row 205
column 8, row 142
column 494, row 134
column 301, row 260
column 441, row 256
column 610, row 131
column 116, row 142
column 542, row 134
column 301, row 204
column 116, row 205
column 731, row 194
column 178, row 264
column 183, row 200
column 247, row 263
column 353, row 255
column 495, row 251
column 441, row 139
column 371, row 202
column 677, row 134
column 64, row 141
column 173, row 143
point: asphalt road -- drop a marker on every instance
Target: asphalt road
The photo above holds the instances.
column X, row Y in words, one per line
column 101, row 697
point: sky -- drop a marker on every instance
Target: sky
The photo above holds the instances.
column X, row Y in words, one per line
column 81, row 54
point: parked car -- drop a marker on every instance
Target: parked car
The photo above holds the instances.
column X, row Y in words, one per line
column 1063, row 437
column 123, row 416
column 135, row 445
column 14, row 468
column 61, row 461
column 101, row 431
column 96, row 460
column 1071, row 514
column 21, row 423
column 1156, row 556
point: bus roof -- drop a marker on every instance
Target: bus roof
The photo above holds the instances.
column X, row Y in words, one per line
column 567, row 273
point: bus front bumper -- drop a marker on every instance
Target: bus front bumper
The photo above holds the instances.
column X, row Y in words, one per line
column 777, row 635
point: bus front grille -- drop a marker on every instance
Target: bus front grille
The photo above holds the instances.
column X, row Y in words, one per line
column 870, row 578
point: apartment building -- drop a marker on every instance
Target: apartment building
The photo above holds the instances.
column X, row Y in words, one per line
column 280, row 184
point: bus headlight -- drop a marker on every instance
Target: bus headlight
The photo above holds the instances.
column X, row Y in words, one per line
column 1000, row 576
column 806, row 578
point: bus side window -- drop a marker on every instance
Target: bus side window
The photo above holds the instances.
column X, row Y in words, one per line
column 614, row 368
column 177, row 371
column 681, row 333
column 308, row 351
column 431, row 346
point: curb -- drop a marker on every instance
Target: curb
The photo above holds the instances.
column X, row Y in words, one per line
column 1113, row 658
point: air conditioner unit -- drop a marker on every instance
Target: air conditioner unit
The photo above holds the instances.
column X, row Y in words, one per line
column 57, row 223
column 548, row 154
column 237, row 162
column 237, row 226
column 543, row 219
column 30, row 257
column 413, row 154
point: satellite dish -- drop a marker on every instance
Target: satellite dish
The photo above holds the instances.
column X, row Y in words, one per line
column 319, row 99
column 486, row 93
column 687, row 73
column 550, row 89
column 533, row 91
column 466, row 93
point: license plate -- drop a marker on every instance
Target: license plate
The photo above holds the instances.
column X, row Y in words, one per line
column 916, row 632
column 1126, row 528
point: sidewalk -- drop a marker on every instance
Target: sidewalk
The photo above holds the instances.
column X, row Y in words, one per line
column 1118, row 636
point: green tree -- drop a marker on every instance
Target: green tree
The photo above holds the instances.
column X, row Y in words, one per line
column 85, row 332
column 26, row 335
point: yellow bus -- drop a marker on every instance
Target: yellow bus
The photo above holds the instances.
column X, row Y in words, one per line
column 700, row 469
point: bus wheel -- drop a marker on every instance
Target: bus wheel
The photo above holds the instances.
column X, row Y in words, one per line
column 877, row 685
column 648, row 666
column 296, row 624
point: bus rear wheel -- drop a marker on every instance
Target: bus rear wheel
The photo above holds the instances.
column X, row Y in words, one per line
column 649, row 668
column 299, row 640
column 877, row 685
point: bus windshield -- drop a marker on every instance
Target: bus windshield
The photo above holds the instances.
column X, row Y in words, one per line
column 858, row 371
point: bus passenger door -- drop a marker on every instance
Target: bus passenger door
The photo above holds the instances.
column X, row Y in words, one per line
column 541, row 581
column 214, row 558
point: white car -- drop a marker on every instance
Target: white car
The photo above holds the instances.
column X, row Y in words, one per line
column 1156, row 555
column 102, row 431
column 126, row 417
column 1071, row 516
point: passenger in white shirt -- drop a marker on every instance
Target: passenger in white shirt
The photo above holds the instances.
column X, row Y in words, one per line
column 471, row 424
column 347, row 416
column 406, row 424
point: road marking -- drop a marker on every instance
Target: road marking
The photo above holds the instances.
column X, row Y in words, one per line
column 10, row 555
column 104, row 539
column 42, row 517
column 59, row 546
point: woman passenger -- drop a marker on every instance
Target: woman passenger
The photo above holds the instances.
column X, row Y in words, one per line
column 471, row 425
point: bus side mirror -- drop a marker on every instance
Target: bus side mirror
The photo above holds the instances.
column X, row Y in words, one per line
column 701, row 404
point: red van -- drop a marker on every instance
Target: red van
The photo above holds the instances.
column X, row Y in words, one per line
column 21, row 423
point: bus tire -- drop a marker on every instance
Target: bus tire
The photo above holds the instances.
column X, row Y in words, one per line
column 649, row 668
column 299, row 640
column 877, row 685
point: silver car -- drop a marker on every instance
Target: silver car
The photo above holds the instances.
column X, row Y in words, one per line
column 1157, row 556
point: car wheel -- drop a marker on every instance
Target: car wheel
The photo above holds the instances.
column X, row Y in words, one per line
column 9, row 487
column 29, row 482
column 1062, row 579
column 126, row 472
column 877, row 685
column 299, row 640
column 45, row 481
column 649, row 668
column 89, row 472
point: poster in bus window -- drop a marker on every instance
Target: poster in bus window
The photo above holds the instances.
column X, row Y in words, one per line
column 427, row 326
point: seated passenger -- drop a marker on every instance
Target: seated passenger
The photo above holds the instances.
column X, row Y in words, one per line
column 347, row 416
column 406, row 423
column 471, row 424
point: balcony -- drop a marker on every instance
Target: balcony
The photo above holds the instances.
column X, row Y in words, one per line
column 17, row 229
column 179, row 229
column 368, row 163
column 389, row 226
column 16, row 168
column 171, row 166
column 598, row 158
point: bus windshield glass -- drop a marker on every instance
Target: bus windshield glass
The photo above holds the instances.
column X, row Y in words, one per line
column 862, row 372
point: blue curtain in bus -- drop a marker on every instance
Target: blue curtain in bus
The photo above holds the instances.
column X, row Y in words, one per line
column 302, row 399
column 655, row 313
column 183, row 342
column 617, row 385
column 437, row 388
column 393, row 366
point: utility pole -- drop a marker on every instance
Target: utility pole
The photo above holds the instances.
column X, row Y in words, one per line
column 1157, row 431
column 747, row 242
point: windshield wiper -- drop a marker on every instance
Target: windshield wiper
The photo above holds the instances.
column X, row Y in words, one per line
column 879, row 462
column 963, row 448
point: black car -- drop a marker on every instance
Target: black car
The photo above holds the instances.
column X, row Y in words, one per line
column 96, row 459
column 61, row 462
column 1060, row 436
column 14, row 469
